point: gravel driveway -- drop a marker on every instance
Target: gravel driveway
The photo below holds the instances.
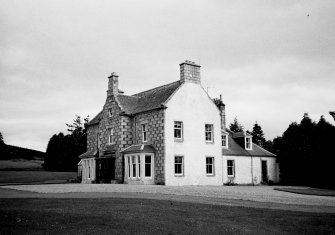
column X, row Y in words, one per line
column 265, row 194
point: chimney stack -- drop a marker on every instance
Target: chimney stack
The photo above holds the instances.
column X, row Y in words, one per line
column 190, row 72
column 113, row 84
column 223, row 114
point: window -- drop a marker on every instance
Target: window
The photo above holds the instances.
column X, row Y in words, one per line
column 209, row 165
column 231, row 168
column 98, row 140
column 248, row 143
column 110, row 113
column 178, row 165
column 147, row 166
column 209, row 132
column 224, row 139
column 144, row 133
column 133, row 161
column 128, row 166
column 110, row 135
column 178, row 130
column 139, row 165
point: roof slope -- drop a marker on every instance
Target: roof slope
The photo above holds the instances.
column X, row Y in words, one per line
column 234, row 149
column 148, row 100
column 145, row 101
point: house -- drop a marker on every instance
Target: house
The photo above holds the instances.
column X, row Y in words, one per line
column 172, row 135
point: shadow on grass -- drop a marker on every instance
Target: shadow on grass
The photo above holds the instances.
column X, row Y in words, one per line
column 309, row 191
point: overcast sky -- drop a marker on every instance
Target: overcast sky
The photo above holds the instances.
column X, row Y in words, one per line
column 272, row 61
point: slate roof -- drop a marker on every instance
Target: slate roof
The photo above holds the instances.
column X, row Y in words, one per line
column 145, row 101
column 139, row 148
column 89, row 154
column 96, row 119
column 234, row 149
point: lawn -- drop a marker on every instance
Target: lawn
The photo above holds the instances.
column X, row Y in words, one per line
column 147, row 216
column 21, row 164
column 28, row 177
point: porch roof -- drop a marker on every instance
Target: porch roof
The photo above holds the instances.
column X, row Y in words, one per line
column 139, row 148
column 89, row 154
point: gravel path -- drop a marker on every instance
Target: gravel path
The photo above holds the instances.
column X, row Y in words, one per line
column 265, row 194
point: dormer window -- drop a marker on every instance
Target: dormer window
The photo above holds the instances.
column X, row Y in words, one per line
column 248, row 145
column 110, row 113
column 224, row 140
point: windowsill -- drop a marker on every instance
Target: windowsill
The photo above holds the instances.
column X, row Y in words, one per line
column 179, row 175
column 231, row 176
column 178, row 140
column 209, row 142
column 225, row 147
column 210, row 175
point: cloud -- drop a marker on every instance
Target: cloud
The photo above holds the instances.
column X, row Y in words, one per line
column 270, row 60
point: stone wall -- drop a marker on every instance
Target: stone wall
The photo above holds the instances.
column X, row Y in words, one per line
column 92, row 133
column 155, row 122
column 126, row 132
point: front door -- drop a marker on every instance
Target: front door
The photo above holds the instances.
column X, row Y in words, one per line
column 105, row 170
column 264, row 172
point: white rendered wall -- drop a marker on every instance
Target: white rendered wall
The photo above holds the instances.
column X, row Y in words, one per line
column 191, row 105
column 248, row 168
column 88, row 173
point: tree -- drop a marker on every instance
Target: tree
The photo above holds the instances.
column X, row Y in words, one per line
column 332, row 114
column 258, row 135
column 304, row 153
column 63, row 150
column 235, row 126
column 1, row 139
column 3, row 149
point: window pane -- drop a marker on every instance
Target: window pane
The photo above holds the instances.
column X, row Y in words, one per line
column 178, row 166
column 148, row 166
column 139, row 166
column 147, row 159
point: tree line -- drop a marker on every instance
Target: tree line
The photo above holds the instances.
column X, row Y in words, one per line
column 63, row 150
column 304, row 151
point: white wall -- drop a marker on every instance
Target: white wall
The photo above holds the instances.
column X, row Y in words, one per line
column 88, row 173
column 244, row 173
column 191, row 105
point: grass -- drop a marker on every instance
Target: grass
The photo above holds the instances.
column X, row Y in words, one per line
column 309, row 191
column 21, row 164
column 147, row 216
column 29, row 177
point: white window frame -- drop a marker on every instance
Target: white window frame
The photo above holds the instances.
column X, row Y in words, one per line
column 110, row 136
column 134, row 164
column 210, row 131
column 182, row 165
column 226, row 139
column 233, row 168
column 248, row 141
column 210, row 164
column 178, row 128
column 144, row 128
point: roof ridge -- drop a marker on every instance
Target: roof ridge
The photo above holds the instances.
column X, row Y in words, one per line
column 162, row 86
column 130, row 96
